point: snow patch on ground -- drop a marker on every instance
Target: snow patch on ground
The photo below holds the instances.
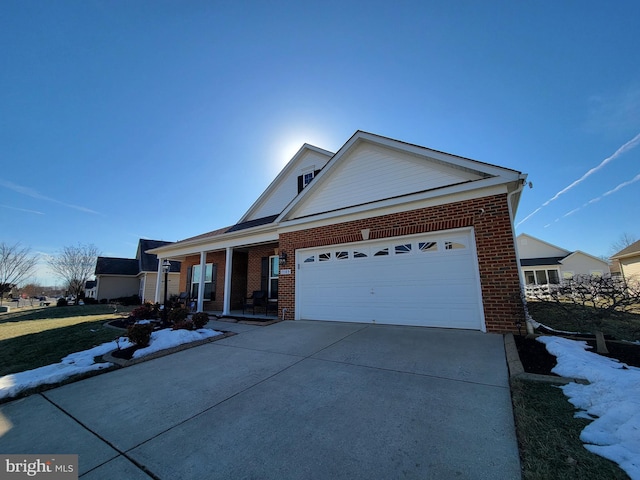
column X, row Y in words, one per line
column 82, row 362
column 611, row 400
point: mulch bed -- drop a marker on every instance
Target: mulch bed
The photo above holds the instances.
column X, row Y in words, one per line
column 536, row 359
column 125, row 353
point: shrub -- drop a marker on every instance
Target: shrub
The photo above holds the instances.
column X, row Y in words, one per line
column 90, row 301
column 126, row 301
column 140, row 333
column 62, row 302
column 177, row 315
column 200, row 319
column 183, row 325
column 145, row 312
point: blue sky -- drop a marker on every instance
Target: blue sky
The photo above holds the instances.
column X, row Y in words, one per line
column 166, row 119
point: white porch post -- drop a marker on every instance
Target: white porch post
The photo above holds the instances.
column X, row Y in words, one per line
column 158, row 280
column 203, row 271
column 226, row 306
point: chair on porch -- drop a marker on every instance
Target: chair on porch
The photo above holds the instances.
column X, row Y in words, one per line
column 257, row 299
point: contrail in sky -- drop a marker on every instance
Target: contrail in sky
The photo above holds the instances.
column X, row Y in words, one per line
column 30, row 192
column 624, row 148
column 597, row 199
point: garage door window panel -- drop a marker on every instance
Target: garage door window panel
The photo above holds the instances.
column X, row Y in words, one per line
column 428, row 246
column 382, row 252
column 403, row 248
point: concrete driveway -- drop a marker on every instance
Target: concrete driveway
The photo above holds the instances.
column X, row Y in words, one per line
column 294, row 400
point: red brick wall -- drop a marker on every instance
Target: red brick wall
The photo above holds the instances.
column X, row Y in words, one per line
column 217, row 258
column 254, row 270
column 498, row 267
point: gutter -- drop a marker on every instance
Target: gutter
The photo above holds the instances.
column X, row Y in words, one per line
column 518, row 190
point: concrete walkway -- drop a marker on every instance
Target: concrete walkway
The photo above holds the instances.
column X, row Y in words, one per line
column 294, row 400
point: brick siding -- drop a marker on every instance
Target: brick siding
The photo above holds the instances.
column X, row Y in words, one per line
column 489, row 216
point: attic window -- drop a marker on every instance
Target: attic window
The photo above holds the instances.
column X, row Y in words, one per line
column 306, row 178
column 308, row 174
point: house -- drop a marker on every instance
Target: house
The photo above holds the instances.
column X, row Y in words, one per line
column 90, row 289
column 382, row 231
column 125, row 277
column 543, row 263
column 628, row 260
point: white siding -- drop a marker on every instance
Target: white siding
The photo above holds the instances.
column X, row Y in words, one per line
column 173, row 287
column 530, row 247
column 630, row 268
column 287, row 188
column 581, row 264
column 371, row 172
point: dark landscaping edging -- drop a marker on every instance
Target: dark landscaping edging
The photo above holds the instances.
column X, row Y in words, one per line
column 516, row 370
column 161, row 353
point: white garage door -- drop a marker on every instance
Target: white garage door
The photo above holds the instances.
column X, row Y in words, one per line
column 428, row 280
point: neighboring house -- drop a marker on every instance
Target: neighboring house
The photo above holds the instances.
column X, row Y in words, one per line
column 628, row 260
column 543, row 263
column 124, row 277
column 382, row 231
column 90, row 289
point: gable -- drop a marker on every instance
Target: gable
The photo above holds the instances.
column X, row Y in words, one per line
column 370, row 172
column 584, row 264
column 531, row 247
column 285, row 186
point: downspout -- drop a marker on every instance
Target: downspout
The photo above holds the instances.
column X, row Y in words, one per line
column 527, row 317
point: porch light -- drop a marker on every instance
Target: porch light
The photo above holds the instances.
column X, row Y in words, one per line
column 283, row 258
column 166, row 266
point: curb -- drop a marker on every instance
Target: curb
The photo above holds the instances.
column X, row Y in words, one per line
column 516, row 370
column 121, row 362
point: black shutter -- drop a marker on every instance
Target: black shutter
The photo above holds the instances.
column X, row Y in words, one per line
column 264, row 275
column 300, row 184
column 188, row 286
column 214, row 274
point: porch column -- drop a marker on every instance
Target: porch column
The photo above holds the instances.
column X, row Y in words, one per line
column 203, row 268
column 158, row 280
column 226, row 306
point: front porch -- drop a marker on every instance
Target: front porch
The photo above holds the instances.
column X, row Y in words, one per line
column 239, row 316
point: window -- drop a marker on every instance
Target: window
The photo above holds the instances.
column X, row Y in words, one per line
column 310, row 259
column 274, row 272
column 323, row 257
column 404, row 248
column 453, row 246
column 382, row 252
column 529, row 277
column 428, row 246
column 306, row 178
column 342, row 255
column 209, row 291
column 541, row 277
column 357, row 254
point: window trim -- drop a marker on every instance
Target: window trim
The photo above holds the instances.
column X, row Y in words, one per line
column 195, row 280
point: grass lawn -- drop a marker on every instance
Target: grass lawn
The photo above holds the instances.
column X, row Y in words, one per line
column 549, row 437
column 34, row 338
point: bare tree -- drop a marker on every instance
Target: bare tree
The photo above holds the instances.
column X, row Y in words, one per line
column 622, row 242
column 16, row 264
column 592, row 299
column 74, row 265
